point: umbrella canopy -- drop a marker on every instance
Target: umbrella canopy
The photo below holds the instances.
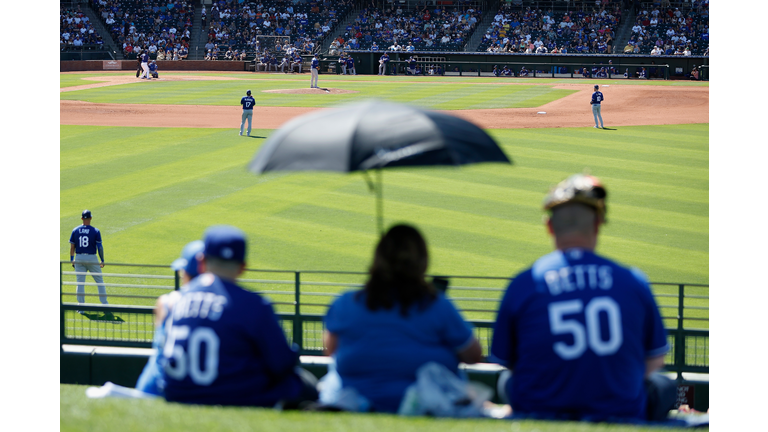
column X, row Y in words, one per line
column 374, row 135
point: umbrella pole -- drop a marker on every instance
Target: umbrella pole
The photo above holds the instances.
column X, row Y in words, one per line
column 379, row 203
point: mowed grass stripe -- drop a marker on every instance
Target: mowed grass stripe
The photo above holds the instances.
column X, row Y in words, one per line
column 623, row 143
column 229, row 92
column 512, row 231
column 489, row 204
column 515, row 201
column 156, row 177
column 583, row 155
column 123, row 149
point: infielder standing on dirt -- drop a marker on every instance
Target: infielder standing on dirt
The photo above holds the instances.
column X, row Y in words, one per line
column 85, row 240
column 597, row 98
column 315, row 70
column 247, row 102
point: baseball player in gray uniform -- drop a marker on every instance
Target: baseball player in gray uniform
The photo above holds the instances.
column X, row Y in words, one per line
column 597, row 99
column 85, row 241
column 247, row 102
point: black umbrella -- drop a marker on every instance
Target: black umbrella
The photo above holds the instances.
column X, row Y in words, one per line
column 374, row 135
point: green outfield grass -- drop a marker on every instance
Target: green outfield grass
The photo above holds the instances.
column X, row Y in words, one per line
column 78, row 413
column 71, row 80
column 154, row 189
column 446, row 96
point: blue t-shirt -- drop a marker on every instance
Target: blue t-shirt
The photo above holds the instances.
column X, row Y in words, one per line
column 85, row 238
column 379, row 351
column 576, row 330
column 247, row 102
column 597, row 98
column 225, row 347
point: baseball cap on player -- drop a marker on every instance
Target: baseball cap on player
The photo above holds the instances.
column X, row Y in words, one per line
column 248, row 92
column 188, row 259
column 224, row 242
column 578, row 188
column 86, row 214
column 597, row 86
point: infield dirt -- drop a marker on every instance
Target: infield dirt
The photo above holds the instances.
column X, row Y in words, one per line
column 625, row 105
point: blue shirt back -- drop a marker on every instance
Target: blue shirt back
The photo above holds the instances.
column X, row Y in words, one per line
column 315, row 63
column 597, row 98
column 576, row 330
column 379, row 351
column 247, row 102
column 224, row 346
column 85, row 238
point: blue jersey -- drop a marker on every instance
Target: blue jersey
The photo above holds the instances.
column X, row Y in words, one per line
column 315, row 63
column 224, row 346
column 350, row 62
column 379, row 351
column 597, row 98
column 152, row 67
column 144, row 57
column 86, row 239
column 247, row 102
column 385, row 57
column 576, row 330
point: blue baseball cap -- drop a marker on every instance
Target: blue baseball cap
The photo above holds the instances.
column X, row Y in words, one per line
column 224, row 242
column 188, row 259
column 86, row 214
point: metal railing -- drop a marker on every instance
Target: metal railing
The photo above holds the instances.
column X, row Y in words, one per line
column 300, row 299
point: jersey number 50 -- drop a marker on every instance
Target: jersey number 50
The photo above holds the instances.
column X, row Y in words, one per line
column 589, row 334
column 189, row 362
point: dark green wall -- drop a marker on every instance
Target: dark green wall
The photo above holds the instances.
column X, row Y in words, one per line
column 368, row 62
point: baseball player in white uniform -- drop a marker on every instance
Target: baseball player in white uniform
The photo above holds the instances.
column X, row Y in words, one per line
column 145, row 65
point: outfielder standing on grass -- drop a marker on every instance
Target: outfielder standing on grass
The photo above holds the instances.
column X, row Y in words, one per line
column 85, row 241
column 315, row 70
column 247, row 102
column 597, row 99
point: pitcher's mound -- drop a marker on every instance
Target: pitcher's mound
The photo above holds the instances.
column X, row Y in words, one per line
column 311, row 91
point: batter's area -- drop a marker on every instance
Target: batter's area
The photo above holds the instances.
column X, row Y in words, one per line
column 625, row 105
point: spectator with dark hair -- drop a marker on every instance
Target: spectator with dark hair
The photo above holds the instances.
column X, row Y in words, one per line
column 381, row 335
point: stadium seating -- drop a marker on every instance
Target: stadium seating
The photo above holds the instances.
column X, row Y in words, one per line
column 673, row 29
column 515, row 29
column 423, row 28
column 237, row 25
column 139, row 23
column 76, row 32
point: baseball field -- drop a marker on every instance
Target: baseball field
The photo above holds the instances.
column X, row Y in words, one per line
column 158, row 162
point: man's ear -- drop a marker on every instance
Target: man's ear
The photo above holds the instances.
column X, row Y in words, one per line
column 242, row 269
column 548, row 222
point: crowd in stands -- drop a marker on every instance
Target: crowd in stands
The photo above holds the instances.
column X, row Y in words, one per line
column 435, row 28
column 302, row 25
column 76, row 31
column 671, row 31
column 532, row 31
column 142, row 25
